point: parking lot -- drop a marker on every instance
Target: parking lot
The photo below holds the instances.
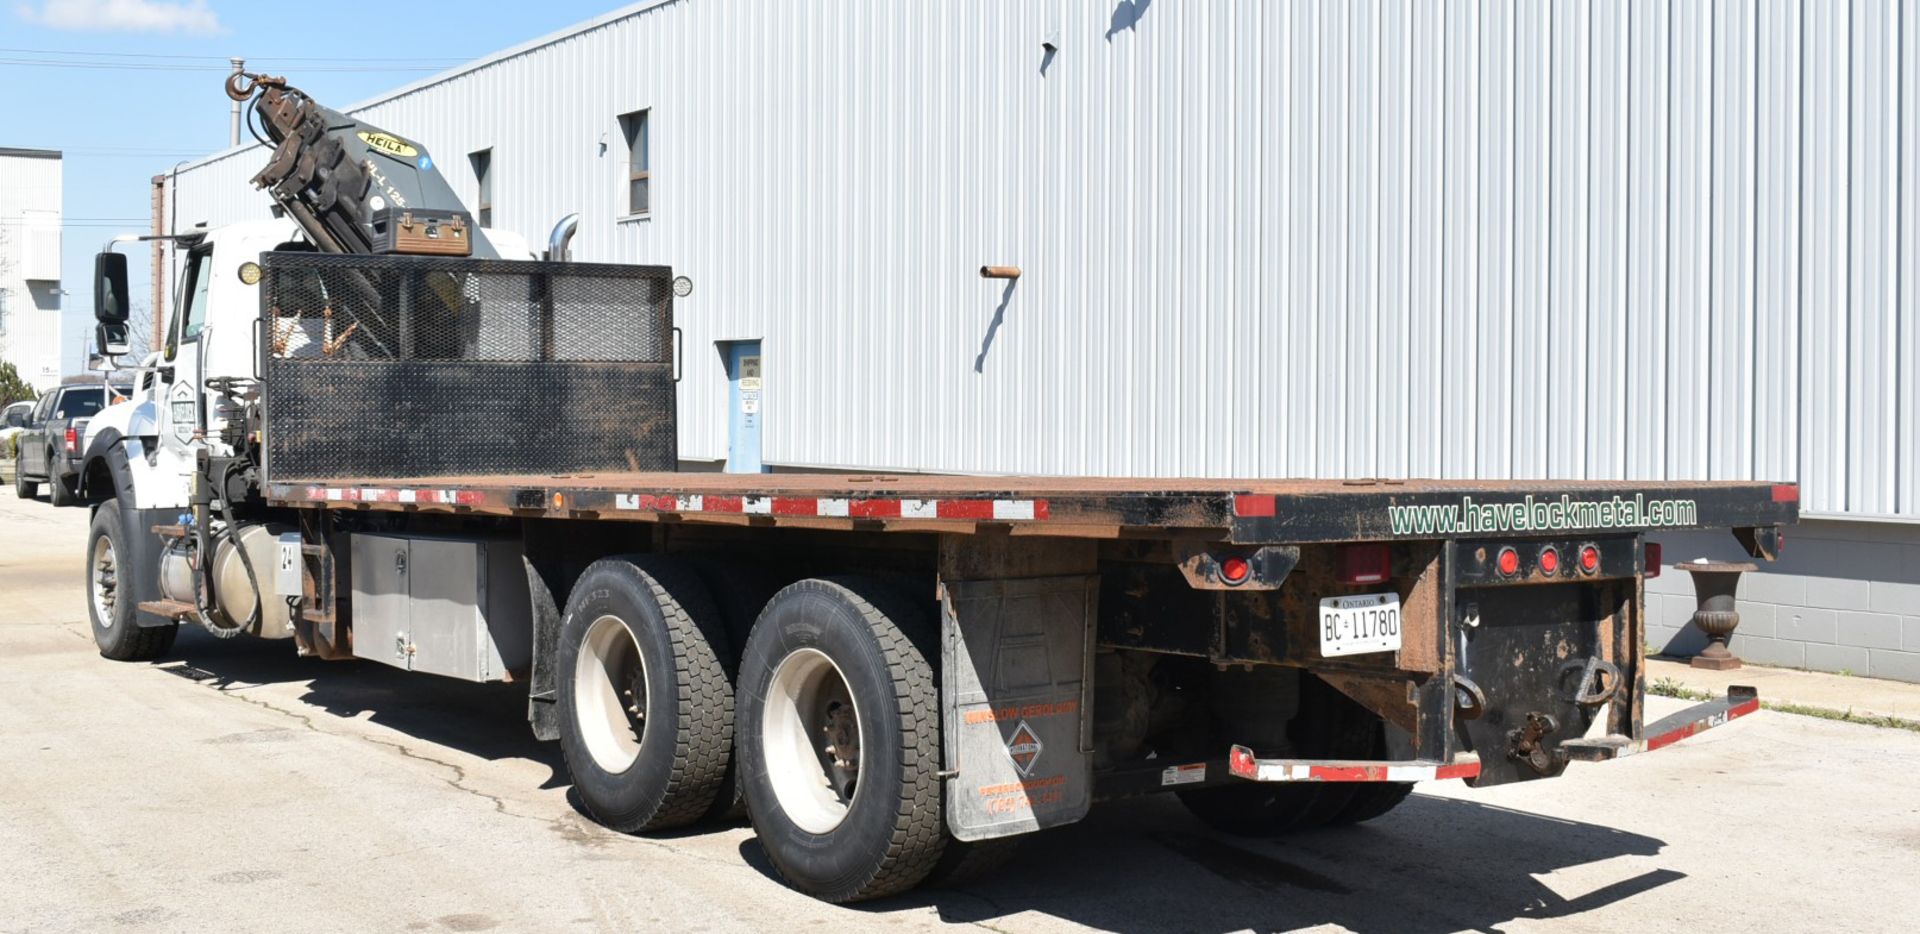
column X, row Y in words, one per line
column 234, row 786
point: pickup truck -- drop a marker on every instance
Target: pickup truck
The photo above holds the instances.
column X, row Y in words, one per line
column 50, row 450
column 13, row 420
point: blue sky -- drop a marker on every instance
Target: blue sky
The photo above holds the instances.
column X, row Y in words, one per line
column 128, row 88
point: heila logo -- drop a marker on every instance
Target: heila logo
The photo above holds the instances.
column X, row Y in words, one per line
column 389, row 145
column 1024, row 746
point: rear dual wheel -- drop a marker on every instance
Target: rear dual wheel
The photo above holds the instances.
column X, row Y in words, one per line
column 645, row 694
column 839, row 739
column 1332, row 727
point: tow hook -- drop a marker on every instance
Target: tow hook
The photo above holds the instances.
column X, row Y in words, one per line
column 1599, row 680
column 1469, row 702
column 1524, row 744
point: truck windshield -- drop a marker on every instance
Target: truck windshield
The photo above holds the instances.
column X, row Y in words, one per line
column 75, row 403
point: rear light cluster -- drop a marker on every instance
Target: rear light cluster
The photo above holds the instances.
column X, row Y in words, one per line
column 1547, row 561
column 73, row 439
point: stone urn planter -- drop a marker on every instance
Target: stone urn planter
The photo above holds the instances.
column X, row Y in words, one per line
column 1714, row 585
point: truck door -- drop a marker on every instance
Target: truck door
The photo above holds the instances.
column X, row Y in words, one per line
column 177, row 397
column 743, row 407
column 33, row 457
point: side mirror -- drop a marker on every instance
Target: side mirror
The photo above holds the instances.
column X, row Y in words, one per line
column 111, row 339
column 110, row 290
column 17, row 419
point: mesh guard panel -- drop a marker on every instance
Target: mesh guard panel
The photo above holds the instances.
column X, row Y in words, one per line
column 404, row 366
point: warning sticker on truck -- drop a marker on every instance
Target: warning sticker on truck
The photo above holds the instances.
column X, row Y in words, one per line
column 1191, row 774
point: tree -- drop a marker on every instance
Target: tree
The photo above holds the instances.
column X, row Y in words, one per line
column 12, row 387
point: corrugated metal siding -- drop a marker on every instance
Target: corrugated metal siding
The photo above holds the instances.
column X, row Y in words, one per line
column 1497, row 239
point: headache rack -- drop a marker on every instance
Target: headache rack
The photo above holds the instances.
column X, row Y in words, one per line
column 389, row 366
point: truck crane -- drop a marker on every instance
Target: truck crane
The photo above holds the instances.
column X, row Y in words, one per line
column 373, row 437
column 351, row 187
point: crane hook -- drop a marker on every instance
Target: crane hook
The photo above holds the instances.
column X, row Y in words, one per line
column 242, row 85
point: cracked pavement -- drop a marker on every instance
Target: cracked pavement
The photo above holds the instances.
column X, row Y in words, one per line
column 234, row 786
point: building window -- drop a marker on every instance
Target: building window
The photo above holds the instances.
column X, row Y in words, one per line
column 639, row 162
column 483, row 172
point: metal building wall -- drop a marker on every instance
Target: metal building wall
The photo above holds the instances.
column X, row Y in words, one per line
column 1498, row 239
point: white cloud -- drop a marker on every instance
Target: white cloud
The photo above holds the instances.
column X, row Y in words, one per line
column 188, row 16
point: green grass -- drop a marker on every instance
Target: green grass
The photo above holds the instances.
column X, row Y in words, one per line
column 1670, row 687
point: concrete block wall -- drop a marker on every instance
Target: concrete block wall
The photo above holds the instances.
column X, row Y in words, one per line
column 1844, row 596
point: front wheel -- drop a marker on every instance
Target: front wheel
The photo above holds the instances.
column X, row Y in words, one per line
column 110, row 606
column 839, row 739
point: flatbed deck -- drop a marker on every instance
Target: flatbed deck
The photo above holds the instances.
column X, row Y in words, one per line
column 1244, row 511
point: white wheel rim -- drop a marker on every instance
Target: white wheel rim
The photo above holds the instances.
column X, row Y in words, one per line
column 103, row 574
column 808, row 707
column 610, row 694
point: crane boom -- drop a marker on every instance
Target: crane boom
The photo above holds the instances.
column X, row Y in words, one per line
column 353, row 187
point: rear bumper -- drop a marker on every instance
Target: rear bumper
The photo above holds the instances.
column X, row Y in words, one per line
column 1692, row 721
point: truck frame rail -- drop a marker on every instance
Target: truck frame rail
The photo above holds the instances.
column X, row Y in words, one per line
column 1233, row 511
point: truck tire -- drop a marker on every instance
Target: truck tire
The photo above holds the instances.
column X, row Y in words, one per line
column 1267, row 809
column 1329, row 726
column 833, row 663
column 1372, row 801
column 115, row 629
column 646, row 704
column 740, row 592
column 60, row 494
column 22, row 487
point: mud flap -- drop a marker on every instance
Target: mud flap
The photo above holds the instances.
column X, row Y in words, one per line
column 1016, row 699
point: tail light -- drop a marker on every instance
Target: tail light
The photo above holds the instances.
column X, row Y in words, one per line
column 1549, row 560
column 73, row 439
column 1653, row 559
column 1508, row 562
column 1368, row 563
column 1590, row 558
column 1234, row 570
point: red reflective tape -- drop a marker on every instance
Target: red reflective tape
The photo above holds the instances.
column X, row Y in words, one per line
column 874, row 509
column 1700, row 726
column 723, row 504
column 1786, row 493
column 466, row 497
column 316, row 493
column 1252, row 506
column 351, row 494
column 1348, row 773
column 795, row 506
column 1458, row 770
column 964, row 509
column 1040, row 509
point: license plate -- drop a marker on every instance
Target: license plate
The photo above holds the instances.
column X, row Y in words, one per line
column 1359, row 624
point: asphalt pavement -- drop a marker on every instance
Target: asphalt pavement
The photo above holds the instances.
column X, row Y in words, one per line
column 236, row 787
